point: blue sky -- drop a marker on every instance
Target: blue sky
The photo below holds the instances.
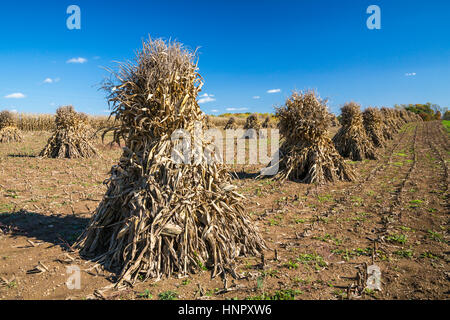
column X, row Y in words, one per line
column 252, row 54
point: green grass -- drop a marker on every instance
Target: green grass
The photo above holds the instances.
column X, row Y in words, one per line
column 446, row 124
column 399, row 238
column 435, row 236
column 325, row 198
column 404, row 253
column 145, row 295
column 168, row 295
column 287, row 294
column 312, row 258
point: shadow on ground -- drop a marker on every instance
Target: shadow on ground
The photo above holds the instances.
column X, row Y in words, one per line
column 241, row 175
column 60, row 230
column 22, row 156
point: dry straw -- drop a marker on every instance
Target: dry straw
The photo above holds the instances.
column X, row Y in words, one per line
column 209, row 124
column 351, row 140
column 252, row 122
column 8, row 128
column 334, row 120
column 307, row 154
column 72, row 137
column 267, row 124
column 160, row 217
column 373, row 123
column 231, row 124
column 252, row 125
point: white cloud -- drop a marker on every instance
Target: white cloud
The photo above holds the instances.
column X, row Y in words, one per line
column 50, row 80
column 273, row 90
column 17, row 95
column 256, row 97
column 206, row 99
column 214, row 110
column 411, row 74
column 236, row 109
column 77, row 60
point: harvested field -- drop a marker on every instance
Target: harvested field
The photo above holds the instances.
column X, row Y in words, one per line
column 394, row 215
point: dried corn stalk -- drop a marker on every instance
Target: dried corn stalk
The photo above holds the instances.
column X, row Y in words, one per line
column 160, row 217
column 8, row 128
column 351, row 140
column 231, row 124
column 307, row 154
column 373, row 124
column 209, row 124
column 72, row 137
column 266, row 124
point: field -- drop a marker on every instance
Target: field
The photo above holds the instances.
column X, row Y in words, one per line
column 321, row 237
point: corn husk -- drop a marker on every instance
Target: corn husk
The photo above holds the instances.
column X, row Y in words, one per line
column 307, row 154
column 72, row 136
column 160, row 217
column 351, row 140
column 8, row 128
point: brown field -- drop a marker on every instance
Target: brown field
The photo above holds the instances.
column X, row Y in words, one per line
column 321, row 237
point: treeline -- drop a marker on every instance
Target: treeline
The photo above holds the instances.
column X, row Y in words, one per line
column 427, row 111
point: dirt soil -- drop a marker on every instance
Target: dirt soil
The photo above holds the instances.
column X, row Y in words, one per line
column 321, row 238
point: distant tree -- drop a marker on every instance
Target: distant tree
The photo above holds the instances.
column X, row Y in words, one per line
column 446, row 115
column 437, row 115
column 425, row 111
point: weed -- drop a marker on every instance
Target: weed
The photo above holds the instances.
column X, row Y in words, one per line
column 168, row 295
column 398, row 238
column 145, row 295
column 435, row 236
column 404, row 253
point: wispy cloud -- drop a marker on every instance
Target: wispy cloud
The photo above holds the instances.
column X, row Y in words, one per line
column 17, row 95
column 273, row 90
column 411, row 74
column 77, row 60
column 236, row 109
column 50, row 80
column 214, row 110
column 256, row 97
column 206, row 98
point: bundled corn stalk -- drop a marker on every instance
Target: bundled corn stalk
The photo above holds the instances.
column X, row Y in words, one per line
column 8, row 128
column 308, row 154
column 266, row 124
column 72, row 137
column 209, row 124
column 231, row 124
column 252, row 125
column 334, row 120
column 252, row 122
column 351, row 140
column 389, row 126
column 373, row 123
column 160, row 216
